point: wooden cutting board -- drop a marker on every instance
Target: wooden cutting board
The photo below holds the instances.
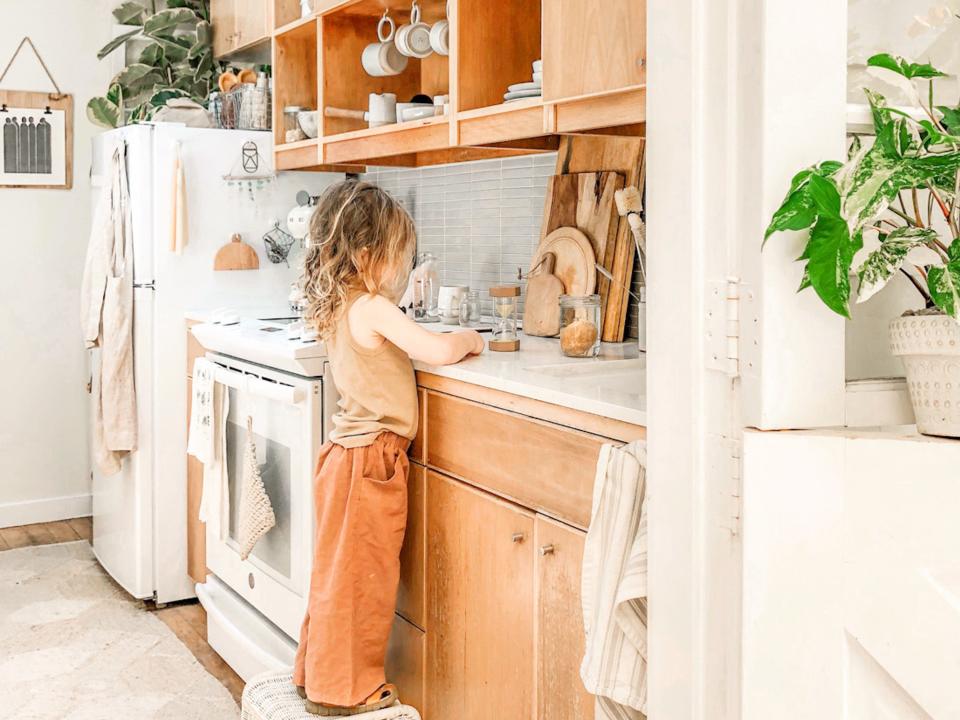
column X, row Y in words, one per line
column 236, row 255
column 575, row 264
column 541, row 309
column 623, row 155
column 586, row 201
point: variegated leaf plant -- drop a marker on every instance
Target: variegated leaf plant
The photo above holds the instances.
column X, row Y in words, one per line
column 903, row 187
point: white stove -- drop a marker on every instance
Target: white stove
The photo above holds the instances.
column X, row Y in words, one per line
column 275, row 373
column 279, row 342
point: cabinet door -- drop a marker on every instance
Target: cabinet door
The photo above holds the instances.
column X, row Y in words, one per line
column 404, row 665
column 223, row 17
column 410, row 594
column 589, row 50
column 479, row 605
column 560, row 638
column 251, row 21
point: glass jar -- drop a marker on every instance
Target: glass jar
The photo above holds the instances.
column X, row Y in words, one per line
column 291, row 127
column 506, row 305
column 215, row 109
column 470, row 309
column 426, row 288
column 580, row 325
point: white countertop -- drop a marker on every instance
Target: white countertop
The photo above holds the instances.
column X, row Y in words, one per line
column 613, row 385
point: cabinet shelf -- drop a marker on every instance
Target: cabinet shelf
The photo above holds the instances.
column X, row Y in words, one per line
column 594, row 79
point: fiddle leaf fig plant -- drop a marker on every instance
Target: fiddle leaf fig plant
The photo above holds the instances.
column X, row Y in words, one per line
column 177, row 61
column 900, row 191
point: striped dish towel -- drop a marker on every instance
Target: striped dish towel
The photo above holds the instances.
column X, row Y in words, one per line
column 272, row 696
column 614, row 585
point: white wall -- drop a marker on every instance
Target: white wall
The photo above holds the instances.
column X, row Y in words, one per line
column 42, row 365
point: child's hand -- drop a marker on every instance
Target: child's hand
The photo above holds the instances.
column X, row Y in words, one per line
column 478, row 343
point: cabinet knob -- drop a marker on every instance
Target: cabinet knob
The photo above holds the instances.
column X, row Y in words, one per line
column 518, row 537
column 547, row 550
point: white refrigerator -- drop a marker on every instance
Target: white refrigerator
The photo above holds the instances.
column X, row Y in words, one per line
column 139, row 514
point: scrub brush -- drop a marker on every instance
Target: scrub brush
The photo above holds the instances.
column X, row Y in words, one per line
column 630, row 205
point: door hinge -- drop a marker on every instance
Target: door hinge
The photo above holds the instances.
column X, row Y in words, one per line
column 726, row 315
column 734, row 492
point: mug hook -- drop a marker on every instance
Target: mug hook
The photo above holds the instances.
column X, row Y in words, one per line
column 386, row 20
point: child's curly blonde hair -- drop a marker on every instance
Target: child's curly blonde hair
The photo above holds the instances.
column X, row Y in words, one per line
column 361, row 239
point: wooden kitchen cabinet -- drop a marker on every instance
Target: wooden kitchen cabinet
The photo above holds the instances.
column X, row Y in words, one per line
column 589, row 50
column 594, row 79
column 480, row 637
column 560, row 635
column 411, row 595
column 405, row 665
column 196, row 530
column 239, row 25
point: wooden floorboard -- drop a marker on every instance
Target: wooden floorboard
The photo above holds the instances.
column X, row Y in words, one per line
column 187, row 620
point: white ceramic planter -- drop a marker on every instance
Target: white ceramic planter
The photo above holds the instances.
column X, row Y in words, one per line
column 929, row 346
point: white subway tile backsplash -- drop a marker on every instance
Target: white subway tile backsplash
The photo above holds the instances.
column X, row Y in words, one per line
column 482, row 219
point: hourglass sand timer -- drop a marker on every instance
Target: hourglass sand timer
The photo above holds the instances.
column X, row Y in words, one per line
column 506, row 302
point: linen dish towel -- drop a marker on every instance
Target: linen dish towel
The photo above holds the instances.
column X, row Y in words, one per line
column 272, row 696
column 215, row 495
column 201, row 436
column 106, row 312
column 256, row 511
column 178, row 226
column 614, row 585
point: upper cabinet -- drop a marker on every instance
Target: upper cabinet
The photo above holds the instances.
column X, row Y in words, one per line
column 239, row 26
column 592, row 77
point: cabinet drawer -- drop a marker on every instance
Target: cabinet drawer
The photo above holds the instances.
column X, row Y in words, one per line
column 405, row 662
column 540, row 465
column 410, row 594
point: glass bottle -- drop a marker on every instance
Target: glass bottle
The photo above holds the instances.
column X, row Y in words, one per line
column 470, row 309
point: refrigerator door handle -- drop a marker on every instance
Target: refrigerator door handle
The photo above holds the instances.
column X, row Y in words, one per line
column 152, row 285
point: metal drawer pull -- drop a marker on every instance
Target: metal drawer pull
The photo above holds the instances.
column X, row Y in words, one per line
column 547, row 550
column 518, row 537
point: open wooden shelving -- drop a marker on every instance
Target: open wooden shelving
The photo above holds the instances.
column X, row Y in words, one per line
column 317, row 64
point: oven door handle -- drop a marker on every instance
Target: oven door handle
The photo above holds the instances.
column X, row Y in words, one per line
column 254, row 385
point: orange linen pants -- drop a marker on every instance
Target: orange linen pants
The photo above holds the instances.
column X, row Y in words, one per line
column 360, row 496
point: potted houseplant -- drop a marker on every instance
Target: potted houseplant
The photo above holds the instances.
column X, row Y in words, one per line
column 176, row 61
column 900, row 193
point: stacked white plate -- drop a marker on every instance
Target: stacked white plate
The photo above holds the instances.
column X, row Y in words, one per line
column 530, row 89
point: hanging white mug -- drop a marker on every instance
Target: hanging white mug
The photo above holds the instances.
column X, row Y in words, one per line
column 440, row 37
column 381, row 59
column 413, row 40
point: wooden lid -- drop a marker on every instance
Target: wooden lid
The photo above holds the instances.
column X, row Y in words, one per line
column 505, row 291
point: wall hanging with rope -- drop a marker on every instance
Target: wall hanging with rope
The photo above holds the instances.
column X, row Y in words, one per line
column 36, row 150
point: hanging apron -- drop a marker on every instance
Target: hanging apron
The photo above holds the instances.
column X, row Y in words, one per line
column 107, row 308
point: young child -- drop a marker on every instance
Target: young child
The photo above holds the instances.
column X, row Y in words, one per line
column 357, row 267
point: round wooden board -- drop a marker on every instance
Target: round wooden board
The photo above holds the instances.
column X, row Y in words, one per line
column 576, row 264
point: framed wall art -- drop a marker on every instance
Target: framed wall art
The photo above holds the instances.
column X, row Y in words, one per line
column 36, row 136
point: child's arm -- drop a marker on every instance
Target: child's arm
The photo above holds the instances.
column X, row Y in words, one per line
column 374, row 318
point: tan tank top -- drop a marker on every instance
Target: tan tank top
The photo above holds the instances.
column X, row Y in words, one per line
column 378, row 389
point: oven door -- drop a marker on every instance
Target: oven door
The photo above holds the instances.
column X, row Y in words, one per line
column 286, row 411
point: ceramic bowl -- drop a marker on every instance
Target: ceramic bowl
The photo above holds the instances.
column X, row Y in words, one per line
column 308, row 121
column 414, row 111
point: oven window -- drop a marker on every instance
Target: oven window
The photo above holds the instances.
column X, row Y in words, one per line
column 274, row 455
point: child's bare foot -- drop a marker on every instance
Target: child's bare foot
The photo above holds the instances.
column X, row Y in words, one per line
column 385, row 696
